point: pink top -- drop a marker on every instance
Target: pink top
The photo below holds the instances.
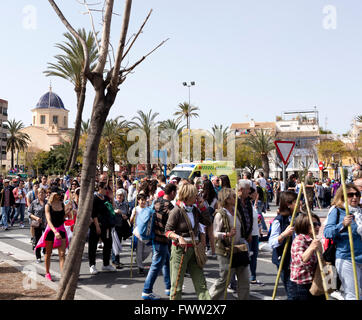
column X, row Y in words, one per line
column 57, row 242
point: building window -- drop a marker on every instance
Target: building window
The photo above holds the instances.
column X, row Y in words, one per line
column 34, row 120
column 55, row 119
column 65, row 121
column 42, row 119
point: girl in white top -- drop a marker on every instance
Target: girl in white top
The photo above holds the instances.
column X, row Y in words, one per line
column 142, row 250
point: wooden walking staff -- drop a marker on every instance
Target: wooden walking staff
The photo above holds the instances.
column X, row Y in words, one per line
column 350, row 235
column 132, row 251
column 232, row 242
column 286, row 243
column 317, row 251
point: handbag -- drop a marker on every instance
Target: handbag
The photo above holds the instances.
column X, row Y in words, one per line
column 35, row 224
column 240, row 251
column 330, row 276
column 199, row 248
column 240, row 256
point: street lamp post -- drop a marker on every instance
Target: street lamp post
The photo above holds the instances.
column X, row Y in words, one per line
column 192, row 83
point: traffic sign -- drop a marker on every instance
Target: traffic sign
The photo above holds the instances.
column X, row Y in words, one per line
column 321, row 165
column 284, row 149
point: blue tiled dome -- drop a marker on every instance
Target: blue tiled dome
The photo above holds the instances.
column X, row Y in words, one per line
column 50, row 100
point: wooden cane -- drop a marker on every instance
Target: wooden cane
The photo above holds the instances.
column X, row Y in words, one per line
column 317, row 251
column 178, row 276
column 232, row 243
column 132, row 242
column 286, row 244
column 350, row 234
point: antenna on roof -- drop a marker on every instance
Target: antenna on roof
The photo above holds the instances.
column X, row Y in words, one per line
column 50, row 91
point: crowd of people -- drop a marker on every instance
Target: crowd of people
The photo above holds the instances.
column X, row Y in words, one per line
column 193, row 219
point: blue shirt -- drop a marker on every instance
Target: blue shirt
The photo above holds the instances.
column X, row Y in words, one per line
column 339, row 234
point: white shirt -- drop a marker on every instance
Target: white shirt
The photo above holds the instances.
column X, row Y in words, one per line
column 255, row 229
column 262, row 182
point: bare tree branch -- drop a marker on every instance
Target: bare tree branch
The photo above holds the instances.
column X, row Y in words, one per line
column 105, row 37
column 92, row 22
column 128, row 70
column 137, row 34
column 74, row 33
column 122, row 41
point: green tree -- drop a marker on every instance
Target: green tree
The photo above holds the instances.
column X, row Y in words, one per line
column 111, row 133
column 17, row 140
column 146, row 122
column 84, row 127
column 246, row 157
column 69, row 66
column 172, row 124
column 186, row 111
column 262, row 143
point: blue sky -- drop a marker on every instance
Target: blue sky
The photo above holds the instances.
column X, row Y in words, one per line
column 249, row 59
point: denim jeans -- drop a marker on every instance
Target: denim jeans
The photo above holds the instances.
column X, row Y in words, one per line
column 160, row 260
column 5, row 211
column 253, row 247
column 260, row 206
column 345, row 272
column 20, row 210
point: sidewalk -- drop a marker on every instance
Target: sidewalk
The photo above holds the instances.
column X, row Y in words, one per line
column 20, row 283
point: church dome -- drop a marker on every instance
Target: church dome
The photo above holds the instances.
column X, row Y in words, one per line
column 50, row 100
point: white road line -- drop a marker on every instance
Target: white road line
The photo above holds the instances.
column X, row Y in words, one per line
column 22, row 255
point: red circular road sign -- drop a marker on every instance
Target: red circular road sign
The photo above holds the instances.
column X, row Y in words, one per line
column 321, row 165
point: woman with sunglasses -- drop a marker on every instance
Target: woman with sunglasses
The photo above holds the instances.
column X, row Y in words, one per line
column 54, row 235
column 337, row 230
column 68, row 195
column 304, row 258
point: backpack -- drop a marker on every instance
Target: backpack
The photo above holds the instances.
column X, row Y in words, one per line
column 112, row 214
column 145, row 223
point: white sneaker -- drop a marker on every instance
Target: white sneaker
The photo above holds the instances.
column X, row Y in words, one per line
column 93, row 270
column 150, row 296
column 108, row 268
column 21, row 226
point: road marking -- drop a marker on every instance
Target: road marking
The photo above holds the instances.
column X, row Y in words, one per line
column 20, row 254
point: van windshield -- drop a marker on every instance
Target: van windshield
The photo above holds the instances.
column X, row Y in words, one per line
column 183, row 174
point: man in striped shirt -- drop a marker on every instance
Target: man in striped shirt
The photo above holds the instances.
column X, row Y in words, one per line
column 160, row 244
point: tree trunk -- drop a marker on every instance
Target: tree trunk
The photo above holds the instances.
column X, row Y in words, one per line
column 78, row 125
column 110, row 160
column 265, row 164
column 12, row 159
column 68, row 282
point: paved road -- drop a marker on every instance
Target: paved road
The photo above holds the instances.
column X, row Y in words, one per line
column 15, row 247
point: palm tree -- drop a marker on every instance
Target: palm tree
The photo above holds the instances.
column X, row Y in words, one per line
column 359, row 118
column 84, row 127
column 171, row 124
column 187, row 111
column 111, row 132
column 146, row 122
column 17, row 140
column 69, row 66
column 262, row 143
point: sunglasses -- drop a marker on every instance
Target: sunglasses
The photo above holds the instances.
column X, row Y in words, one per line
column 316, row 224
column 352, row 194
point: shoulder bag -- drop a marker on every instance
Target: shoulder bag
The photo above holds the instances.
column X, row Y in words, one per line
column 199, row 249
column 240, row 252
